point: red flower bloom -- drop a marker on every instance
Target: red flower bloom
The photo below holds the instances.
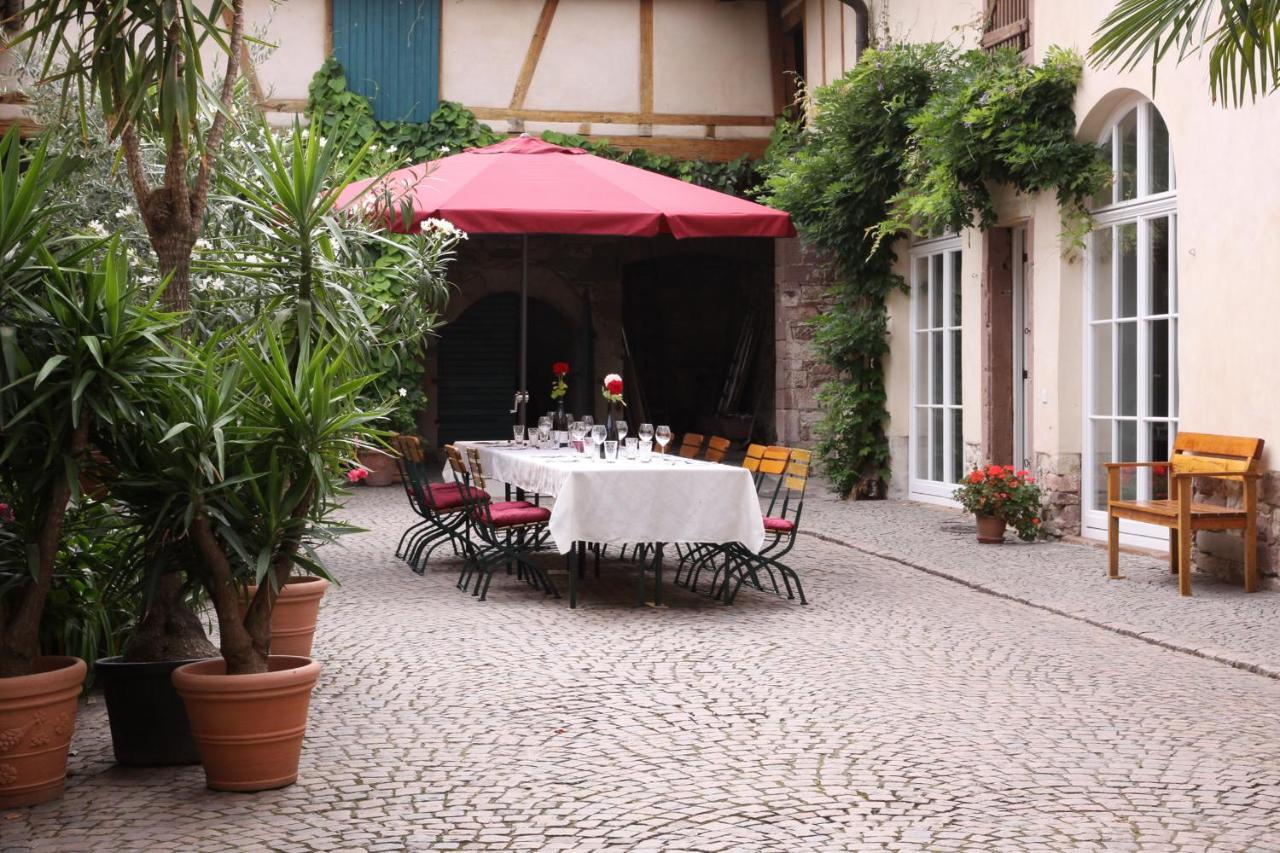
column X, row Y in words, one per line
column 1009, row 468
column 6, row 513
column 560, row 368
column 615, row 387
column 995, row 471
column 975, row 476
column 355, row 475
column 1035, row 521
column 1024, row 473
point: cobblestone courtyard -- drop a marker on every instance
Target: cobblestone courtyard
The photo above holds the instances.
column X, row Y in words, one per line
column 900, row 710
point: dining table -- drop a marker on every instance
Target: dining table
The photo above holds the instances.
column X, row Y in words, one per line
column 664, row 500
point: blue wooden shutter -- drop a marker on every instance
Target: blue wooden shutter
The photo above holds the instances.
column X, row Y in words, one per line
column 391, row 52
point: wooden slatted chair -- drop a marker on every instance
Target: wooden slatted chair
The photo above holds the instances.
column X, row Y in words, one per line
column 781, row 523
column 1195, row 455
column 441, row 506
column 691, row 445
column 717, row 447
column 755, row 452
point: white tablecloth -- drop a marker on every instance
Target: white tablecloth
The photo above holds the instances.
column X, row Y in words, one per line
column 614, row 503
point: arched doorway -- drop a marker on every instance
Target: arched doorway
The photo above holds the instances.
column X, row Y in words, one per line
column 479, row 364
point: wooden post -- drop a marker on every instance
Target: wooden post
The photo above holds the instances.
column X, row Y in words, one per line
column 646, row 67
column 1185, row 535
column 1250, row 534
column 1113, row 525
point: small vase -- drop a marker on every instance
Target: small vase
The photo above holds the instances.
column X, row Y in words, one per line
column 991, row 529
column 560, row 425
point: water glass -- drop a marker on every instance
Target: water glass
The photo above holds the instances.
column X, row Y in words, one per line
column 611, row 451
column 517, row 434
column 645, row 451
column 630, row 446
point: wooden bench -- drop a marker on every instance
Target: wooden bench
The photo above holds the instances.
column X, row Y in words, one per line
column 1195, row 455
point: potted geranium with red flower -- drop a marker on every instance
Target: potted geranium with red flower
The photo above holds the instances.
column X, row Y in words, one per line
column 999, row 496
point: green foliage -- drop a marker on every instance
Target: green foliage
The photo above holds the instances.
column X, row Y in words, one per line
column 994, row 120
column 910, row 141
column 835, row 178
column 1243, row 37
column 1004, row 493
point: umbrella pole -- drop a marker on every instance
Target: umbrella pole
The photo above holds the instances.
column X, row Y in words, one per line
column 523, row 404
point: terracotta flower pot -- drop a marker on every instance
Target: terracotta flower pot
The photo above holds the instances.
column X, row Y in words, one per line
column 383, row 470
column 991, row 530
column 37, row 718
column 248, row 728
column 293, row 621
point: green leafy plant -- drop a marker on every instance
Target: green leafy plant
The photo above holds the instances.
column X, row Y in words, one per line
column 994, row 121
column 835, row 177
column 1002, row 492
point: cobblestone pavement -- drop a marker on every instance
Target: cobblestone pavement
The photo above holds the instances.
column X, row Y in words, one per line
column 898, row 711
column 1219, row 621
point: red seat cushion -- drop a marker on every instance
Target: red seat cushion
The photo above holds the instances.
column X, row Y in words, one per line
column 446, row 496
column 511, row 513
column 778, row 525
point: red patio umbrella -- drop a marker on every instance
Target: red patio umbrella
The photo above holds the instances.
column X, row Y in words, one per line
column 527, row 186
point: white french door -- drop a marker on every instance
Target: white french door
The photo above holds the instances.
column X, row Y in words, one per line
column 1131, row 323
column 1021, row 332
column 1131, row 363
column 937, row 430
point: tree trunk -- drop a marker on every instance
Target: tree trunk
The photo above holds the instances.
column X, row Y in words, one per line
column 169, row 630
column 244, row 653
column 20, row 632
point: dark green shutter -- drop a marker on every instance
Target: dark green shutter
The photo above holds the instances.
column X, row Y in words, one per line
column 390, row 50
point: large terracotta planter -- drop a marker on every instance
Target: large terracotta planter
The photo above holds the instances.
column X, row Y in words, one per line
column 383, row 470
column 149, row 726
column 293, row 621
column 37, row 718
column 991, row 530
column 248, row 728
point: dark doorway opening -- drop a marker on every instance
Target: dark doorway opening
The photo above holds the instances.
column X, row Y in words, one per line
column 685, row 317
column 479, row 365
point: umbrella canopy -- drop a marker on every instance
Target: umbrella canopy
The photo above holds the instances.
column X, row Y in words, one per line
column 524, row 185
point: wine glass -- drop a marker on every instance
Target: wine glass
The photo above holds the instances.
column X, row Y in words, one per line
column 577, row 430
column 646, row 432
column 621, row 426
column 599, row 433
column 589, row 421
column 662, row 435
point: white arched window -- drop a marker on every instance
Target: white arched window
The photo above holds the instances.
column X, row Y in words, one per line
column 1131, row 317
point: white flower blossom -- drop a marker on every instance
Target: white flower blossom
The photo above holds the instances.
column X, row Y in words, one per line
column 203, row 244
column 612, row 377
column 95, row 227
column 444, row 149
column 442, row 227
column 123, row 213
column 216, row 284
column 403, row 392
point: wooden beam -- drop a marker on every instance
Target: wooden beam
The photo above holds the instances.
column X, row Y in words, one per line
column 576, row 116
column 283, row 105
column 773, row 11
column 328, row 28
column 646, row 56
column 534, row 53
column 682, row 148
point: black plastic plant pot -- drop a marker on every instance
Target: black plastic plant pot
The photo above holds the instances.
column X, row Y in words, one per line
column 149, row 724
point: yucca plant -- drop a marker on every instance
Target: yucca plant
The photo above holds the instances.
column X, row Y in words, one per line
column 76, row 347
column 1242, row 37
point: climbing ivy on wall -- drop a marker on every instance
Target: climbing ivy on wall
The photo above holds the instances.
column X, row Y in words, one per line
column 910, row 141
